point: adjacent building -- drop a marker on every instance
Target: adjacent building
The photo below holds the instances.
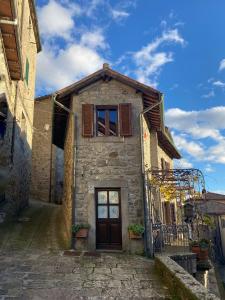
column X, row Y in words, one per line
column 19, row 45
column 101, row 136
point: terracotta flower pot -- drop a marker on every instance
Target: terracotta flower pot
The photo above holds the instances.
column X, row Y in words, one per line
column 204, row 254
column 82, row 233
column 133, row 235
column 196, row 250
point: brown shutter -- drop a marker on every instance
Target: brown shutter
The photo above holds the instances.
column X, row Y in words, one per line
column 167, row 165
column 162, row 164
column 87, row 120
column 172, row 213
column 125, row 119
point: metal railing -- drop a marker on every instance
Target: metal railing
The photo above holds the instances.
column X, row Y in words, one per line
column 170, row 237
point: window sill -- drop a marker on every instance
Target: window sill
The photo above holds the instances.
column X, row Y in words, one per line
column 107, row 139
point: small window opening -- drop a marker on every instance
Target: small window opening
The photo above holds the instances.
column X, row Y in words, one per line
column 107, row 121
column 3, row 119
column 23, row 125
column 27, row 69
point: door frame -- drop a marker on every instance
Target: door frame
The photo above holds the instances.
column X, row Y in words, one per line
column 90, row 200
column 108, row 219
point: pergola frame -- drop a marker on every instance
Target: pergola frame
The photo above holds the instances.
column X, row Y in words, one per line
column 189, row 182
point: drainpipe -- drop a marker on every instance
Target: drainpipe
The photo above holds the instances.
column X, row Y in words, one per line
column 73, row 240
column 53, row 99
column 14, row 124
column 147, row 200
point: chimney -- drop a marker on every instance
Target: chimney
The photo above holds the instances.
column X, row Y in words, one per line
column 105, row 66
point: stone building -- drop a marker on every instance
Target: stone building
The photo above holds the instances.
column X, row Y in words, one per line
column 108, row 144
column 19, row 45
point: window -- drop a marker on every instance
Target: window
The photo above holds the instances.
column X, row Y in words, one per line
column 107, row 120
column 27, row 71
column 23, row 126
column 111, row 120
column 3, row 118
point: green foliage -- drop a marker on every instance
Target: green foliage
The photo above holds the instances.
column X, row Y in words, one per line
column 136, row 228
column 208, row 220
column 77, row 227
column 194, row 243
column 203, row 244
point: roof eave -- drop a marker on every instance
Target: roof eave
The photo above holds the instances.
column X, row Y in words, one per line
column 35, row 24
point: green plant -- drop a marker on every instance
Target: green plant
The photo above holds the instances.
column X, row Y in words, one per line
column 208, row 220
column 204, row 244
column 77, row 227
column 194, row 243
column 136, row 228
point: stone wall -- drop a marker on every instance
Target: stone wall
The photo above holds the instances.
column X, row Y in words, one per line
column 47, row 159
column 69, row 175
column 108, row 161
column 57, row 178
column 42, row 151
column 17, row 145
column 181, row 284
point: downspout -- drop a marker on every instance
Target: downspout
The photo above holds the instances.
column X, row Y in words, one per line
column 14, row 124
column 53, row 99
column 73, row 240
column 147, row 205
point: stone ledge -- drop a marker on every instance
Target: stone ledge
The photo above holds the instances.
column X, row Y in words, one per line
column 181, row 283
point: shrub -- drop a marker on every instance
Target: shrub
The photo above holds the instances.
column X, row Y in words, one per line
column 136, row 228
column 77, row 227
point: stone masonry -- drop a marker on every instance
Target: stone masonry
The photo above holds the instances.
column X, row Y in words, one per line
column 15, row 149
column 96, row 162
column 108, row 161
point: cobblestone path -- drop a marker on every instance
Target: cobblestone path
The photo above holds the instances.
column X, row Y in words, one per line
column 28, row 271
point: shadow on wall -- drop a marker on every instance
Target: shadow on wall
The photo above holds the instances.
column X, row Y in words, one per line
column 15, row 162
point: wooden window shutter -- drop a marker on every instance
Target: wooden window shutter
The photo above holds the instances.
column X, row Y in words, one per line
column 87, row 120
column 173, row 213
column 125, row 119
column 167, row 165
column 163, row 165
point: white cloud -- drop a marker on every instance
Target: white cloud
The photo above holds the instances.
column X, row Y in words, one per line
column 200, row 124
column 92, row 6
column 56, row 20
column 222, row 65
column 193, row 126
column 210, row 94
column 192, row 148
column 182, row 164
column 118, row 15
column 80, row 52
column 209, row 169
column 67, row 65
column 94, row 39
column 149, row 60
column 222, row 192
column 219, row 83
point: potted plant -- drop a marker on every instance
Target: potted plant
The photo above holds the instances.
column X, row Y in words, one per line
column 201, row 249
column 136, row 231
column 80, row 230
column 195, row 247
column 204, row 249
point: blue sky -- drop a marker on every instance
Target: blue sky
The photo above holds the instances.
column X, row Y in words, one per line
column 176, row 46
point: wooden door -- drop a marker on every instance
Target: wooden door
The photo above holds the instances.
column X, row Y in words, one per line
column 108, row 219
